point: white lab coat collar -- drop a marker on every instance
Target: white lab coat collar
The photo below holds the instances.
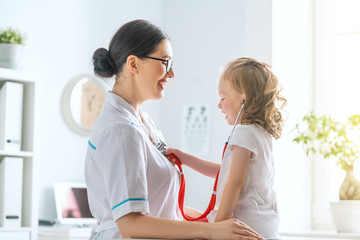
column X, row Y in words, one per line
column 123, row 106
column 127, row 110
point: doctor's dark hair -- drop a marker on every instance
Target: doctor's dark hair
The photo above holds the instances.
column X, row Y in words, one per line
column 138, row 37
column 261, row 87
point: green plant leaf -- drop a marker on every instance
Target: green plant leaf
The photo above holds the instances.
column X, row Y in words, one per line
column 11, row 36
column 321, row 134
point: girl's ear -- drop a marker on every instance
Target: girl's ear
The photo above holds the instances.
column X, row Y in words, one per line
column 132, row 63
column 243, row 98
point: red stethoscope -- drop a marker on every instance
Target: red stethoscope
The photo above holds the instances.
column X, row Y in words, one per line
column 162, row 147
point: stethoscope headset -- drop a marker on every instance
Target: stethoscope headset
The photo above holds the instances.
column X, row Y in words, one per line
column 162, row 148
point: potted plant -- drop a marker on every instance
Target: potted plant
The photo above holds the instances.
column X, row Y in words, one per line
column 323, row 136
column 11, row 48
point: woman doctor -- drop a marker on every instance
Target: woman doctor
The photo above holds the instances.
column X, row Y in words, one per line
column 132, row 187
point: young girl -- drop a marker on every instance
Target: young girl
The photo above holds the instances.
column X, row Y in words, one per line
column 245, row 186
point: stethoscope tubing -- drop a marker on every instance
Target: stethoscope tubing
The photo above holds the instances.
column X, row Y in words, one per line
column 236, row 121
column 212, row 201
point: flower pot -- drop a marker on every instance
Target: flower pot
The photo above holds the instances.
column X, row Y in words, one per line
column 10, row 55
column 346, row 215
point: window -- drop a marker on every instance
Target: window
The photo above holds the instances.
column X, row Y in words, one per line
column 336, row 90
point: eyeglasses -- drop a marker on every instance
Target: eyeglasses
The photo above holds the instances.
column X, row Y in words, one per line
column 169, row 62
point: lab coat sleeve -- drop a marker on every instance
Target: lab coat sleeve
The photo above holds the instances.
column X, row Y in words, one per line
column 123, row 164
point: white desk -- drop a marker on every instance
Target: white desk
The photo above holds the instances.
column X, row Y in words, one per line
column 309, row 238
column 64, row 233
column 83, row 233
column 318, row 234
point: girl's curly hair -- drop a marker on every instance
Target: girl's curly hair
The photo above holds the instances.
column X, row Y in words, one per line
column 262, row 91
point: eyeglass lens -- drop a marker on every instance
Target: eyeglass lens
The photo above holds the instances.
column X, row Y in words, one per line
column 169, row 65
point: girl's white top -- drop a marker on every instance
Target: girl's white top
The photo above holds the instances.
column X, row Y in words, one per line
column 256, row 205
column 124, row 171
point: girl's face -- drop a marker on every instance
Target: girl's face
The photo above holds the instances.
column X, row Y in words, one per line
column 230, row 101
column 153, row 75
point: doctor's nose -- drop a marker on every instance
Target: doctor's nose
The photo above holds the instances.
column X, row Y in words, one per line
column 219, row 105
column 170, row 73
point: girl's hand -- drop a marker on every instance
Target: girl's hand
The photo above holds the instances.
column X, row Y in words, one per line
column 207, row 168
column 232, row 229
column 178, row 153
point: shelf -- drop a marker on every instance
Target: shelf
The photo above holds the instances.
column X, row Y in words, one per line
column 16, row 153
column 15, row 229
column 28, row 205
column 16, row 75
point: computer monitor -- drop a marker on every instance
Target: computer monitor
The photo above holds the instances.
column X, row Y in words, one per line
column 72, row 205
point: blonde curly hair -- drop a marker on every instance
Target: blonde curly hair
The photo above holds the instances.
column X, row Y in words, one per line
column 262, row 92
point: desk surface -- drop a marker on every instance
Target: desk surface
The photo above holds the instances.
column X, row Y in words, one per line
column 82, row 233
column 310, row 238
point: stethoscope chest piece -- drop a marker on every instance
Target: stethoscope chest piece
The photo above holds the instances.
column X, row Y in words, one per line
column 161, row 146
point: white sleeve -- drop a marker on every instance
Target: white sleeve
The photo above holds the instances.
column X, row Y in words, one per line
column 245, row 137
column 122, row 159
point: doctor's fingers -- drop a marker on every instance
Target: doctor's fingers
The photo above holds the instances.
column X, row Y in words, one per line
column 244, row 234
column 249, row 229
column 245, row 231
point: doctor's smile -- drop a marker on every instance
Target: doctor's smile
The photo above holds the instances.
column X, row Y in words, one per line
column 162, row 83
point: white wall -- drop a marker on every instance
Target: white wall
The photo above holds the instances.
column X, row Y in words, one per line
column 205, row 35
column 292, row 62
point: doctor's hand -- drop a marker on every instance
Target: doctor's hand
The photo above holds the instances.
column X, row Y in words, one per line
column 232, row 229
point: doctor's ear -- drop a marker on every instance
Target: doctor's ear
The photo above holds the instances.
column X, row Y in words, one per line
column 132, row 62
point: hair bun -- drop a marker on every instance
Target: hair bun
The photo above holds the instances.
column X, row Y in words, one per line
column 103, row 64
